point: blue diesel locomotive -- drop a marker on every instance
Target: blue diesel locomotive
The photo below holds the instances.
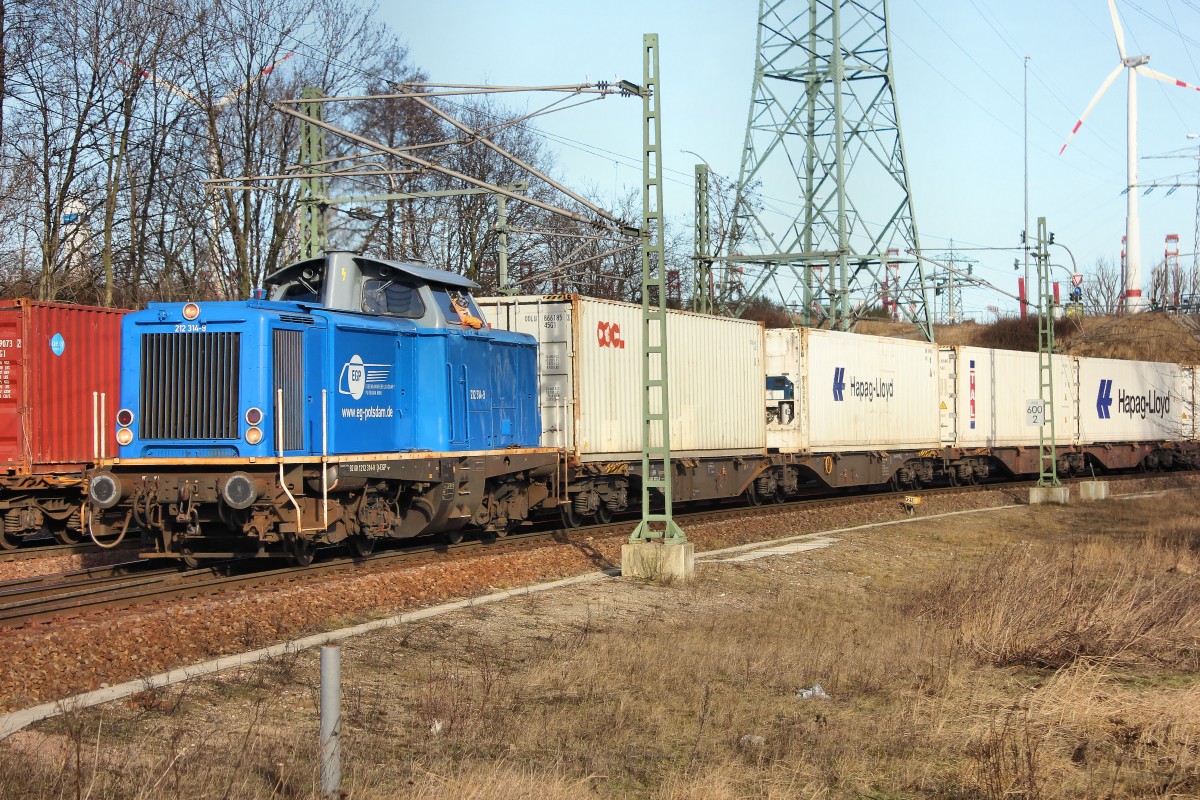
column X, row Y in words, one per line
column 362, row 399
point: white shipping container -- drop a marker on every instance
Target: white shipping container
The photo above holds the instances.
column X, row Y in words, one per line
column 989, row 398
column 590, row 375
column 1133, row 401
column 829, row 391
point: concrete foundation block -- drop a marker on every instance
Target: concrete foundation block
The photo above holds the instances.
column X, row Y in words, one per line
column 1093, row 490
column 1049, row 495
column 655, row 561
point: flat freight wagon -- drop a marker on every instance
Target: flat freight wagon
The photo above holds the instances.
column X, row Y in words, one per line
column 59, row 384
column 590, row 375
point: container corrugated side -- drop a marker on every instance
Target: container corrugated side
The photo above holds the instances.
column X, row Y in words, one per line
column 715, row 375
column 54, row 357
column 550, row 320
column 1132, row 401
column 986, row 395
column 867, row 393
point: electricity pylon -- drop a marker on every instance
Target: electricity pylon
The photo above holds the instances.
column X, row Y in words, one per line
column 823, row 183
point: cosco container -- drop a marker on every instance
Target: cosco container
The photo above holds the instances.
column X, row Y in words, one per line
column 590, row 376
column 1133, row 401
column 59, row 384
column 992, row 398
column 829, row 391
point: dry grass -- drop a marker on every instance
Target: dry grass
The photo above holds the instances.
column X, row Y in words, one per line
column 1061, row 665
column 1145, row 337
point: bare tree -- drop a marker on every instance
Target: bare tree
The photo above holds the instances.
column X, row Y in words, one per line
column 1102, row 288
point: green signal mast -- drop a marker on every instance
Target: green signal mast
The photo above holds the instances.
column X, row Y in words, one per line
column 823, row 139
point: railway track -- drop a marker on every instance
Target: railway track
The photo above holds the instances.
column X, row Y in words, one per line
column 56, row 597
column 36, row 549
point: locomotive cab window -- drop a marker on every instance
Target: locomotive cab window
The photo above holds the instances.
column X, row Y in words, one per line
column 458, row 307
column 392, row 297
column 301, row 293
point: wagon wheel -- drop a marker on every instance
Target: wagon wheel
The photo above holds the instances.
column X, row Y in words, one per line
column 752, row 497
column 570, row 518
column 9, row 541
column 361, row 545
column 62, row 531
column 452, row 537
column 189, row 560
column 604, row 514
column 303, row 551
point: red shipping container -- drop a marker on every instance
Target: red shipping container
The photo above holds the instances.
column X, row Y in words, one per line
column 55, row 361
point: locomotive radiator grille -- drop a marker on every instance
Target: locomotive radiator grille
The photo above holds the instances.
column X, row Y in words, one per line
column 190, row 385
column 289, row 377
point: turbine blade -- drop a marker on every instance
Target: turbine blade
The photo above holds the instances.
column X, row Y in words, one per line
column 1112, row 9
column 229, row 98
column 1103, row 88
column 1158, row 76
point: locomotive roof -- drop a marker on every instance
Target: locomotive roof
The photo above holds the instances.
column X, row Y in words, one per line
column 427, row 274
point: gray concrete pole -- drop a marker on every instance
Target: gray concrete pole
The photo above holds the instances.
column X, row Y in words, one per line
column 331, row 720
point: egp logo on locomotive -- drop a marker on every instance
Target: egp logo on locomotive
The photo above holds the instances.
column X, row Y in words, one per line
column 1148, row 404
column 358, row 379
column 867, row 390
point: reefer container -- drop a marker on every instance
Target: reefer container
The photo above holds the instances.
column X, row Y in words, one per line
column 989, row 397
column 58, row 363
column 1133, row 401
column 829, row 391
column 590, row 376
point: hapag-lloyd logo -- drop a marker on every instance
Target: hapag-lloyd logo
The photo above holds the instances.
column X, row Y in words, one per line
column 868, row 390
column 1150, row 404
column 608, row 334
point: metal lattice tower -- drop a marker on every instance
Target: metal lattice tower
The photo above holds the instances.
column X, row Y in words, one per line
column 1047, row 455
column 314, row 231
column 823, row 182
column 656, row 399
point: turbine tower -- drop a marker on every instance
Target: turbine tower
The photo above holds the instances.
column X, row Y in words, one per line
column 823, row 190
column 1134, row 301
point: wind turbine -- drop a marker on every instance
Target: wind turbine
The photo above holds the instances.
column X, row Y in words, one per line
column 1135, row 65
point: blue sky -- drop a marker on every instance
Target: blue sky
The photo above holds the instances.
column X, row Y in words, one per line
column 958, row 66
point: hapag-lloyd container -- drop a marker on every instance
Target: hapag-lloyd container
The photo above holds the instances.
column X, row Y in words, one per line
column 829, row 391
column 1133, row 401
column 53, row 358
column 986, row 398
column 590, row 376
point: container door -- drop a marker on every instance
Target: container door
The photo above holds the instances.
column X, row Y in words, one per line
column 12, row 423
column 948, row 395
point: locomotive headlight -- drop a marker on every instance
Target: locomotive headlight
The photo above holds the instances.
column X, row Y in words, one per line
column 191, row 311
column 124, row 436
column 124, row 417
column 253, row 436
column 254, row 416
column 238, row 491
column 104, row 489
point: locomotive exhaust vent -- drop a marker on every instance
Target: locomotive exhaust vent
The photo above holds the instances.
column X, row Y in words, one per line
column 190, row 385
column 289, row 378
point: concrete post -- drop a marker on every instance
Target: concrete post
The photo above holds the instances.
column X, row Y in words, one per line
column 331, row 721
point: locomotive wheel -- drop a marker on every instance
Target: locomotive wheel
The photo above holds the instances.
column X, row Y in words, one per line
column 361, row 546
column 303, row 552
